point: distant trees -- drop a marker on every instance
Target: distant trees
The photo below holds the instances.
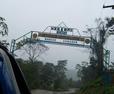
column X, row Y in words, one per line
column 60, row 77
column 32, row 72
column 46, row 76
column 86, row 72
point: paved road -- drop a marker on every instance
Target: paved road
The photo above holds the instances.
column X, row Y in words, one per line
column 71, row 91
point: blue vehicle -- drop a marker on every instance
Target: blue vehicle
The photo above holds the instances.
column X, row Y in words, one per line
column 11, row 77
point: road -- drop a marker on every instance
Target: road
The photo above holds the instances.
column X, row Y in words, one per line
column 71, row 91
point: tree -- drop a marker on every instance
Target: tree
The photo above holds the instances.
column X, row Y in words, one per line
column 60, row 77
column 85, row 72
column 34, row 50
column 96, row 64
column 98, row 41
column 32, row 72
column 3, row 27
column 47, row 76
column 3, row 31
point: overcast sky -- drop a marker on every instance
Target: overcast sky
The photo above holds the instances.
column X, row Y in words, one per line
column 25, row 15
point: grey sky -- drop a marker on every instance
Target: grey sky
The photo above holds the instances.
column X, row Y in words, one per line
column 25, row 15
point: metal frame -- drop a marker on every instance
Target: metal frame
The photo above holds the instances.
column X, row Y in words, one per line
column 106, row 58
column 27, row 38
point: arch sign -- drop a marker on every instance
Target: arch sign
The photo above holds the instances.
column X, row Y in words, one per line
column 61, row 35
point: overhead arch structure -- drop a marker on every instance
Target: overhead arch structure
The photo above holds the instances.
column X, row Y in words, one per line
column 59, row 35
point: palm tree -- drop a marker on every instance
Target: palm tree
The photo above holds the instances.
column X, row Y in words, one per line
column 3, row 27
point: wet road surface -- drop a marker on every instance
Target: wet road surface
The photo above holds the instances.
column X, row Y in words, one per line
column 38, row 91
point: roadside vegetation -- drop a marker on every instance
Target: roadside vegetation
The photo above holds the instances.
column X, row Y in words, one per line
column 96, row 87
column 97, row 76
column 46, row 76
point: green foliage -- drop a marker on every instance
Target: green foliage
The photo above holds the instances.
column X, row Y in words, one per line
column 32, row 73
column 110, row 22
column 46, row 76
column 96, row 64
column 96, row 68
column 86, row 72
column 96, row 87
column 60, row 77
